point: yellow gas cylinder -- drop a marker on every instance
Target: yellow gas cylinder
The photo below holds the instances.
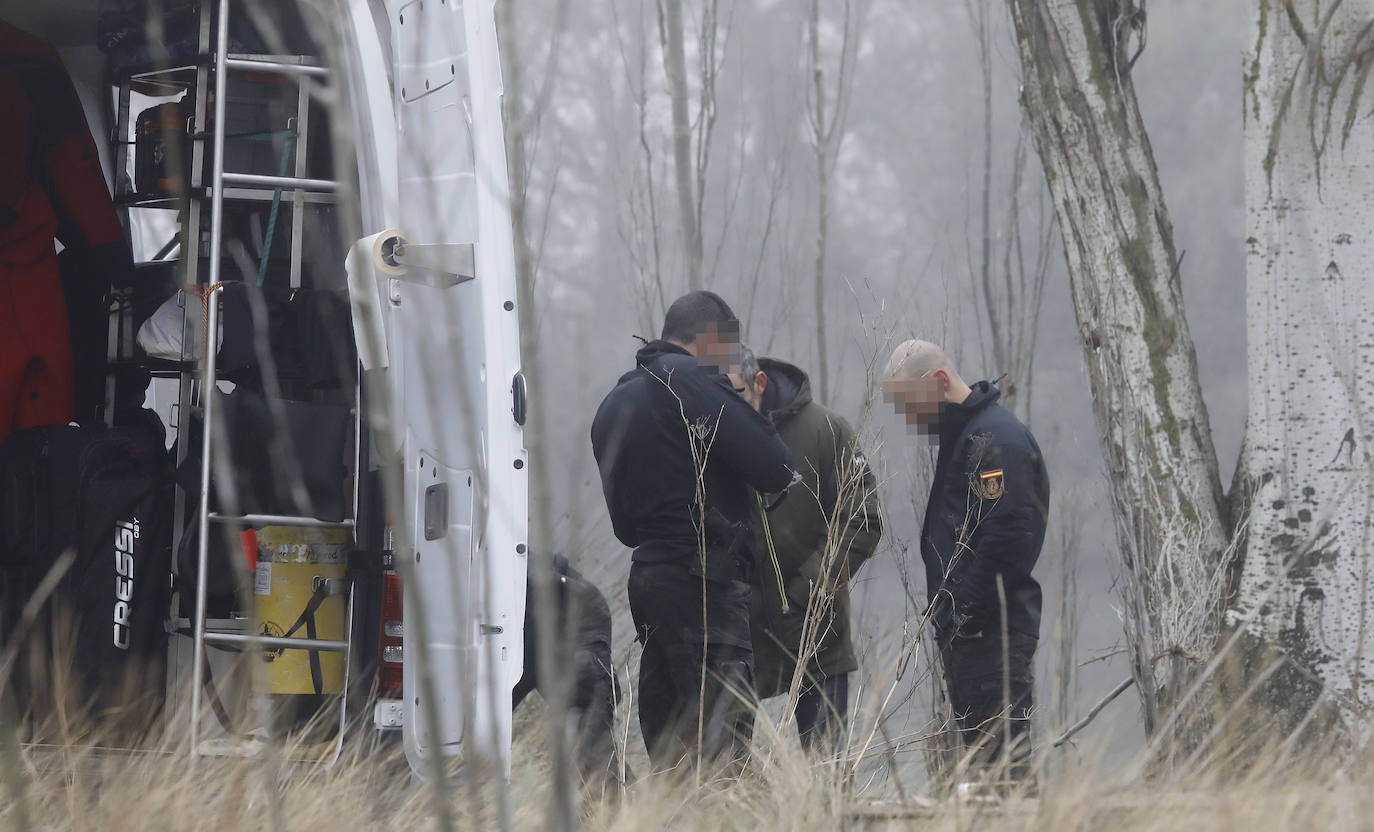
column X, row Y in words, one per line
column 293, row 562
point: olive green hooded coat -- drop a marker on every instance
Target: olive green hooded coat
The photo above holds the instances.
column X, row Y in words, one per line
column 828, row 521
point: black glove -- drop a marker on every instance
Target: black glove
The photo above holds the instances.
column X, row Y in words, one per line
column 772, row 501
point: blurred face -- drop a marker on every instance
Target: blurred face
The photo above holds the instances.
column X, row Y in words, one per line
column 918, row 400
column 750, row 391
column 717, row 346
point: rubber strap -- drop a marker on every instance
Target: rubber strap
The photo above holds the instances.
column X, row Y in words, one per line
column 217, row 706
column 307, row 619
column 316, row 674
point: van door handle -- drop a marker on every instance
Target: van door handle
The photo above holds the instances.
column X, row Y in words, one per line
column 519, row 398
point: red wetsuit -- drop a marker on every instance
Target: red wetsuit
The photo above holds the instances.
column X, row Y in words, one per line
column 51, row 187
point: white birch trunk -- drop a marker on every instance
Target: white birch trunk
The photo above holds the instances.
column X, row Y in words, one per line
column 1305, row 580
column 1123, row 271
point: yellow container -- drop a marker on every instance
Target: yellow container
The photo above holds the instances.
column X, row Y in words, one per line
column 290, row 560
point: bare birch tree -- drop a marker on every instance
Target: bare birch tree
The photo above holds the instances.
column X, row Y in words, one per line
column 1078, row 96
column 1304, row 583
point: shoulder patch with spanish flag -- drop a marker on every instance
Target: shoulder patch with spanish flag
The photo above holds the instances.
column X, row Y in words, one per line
column 990, row 485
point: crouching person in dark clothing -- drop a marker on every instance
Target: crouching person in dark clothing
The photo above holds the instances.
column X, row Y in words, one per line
column 678, row 453
column 582, row 651
column 983, row 529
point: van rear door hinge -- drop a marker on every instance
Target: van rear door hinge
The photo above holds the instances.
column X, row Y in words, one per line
column 389, row 713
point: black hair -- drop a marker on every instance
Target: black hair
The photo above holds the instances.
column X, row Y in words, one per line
column 695, row 313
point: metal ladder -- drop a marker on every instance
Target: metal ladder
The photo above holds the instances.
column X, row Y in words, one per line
column 224, row 184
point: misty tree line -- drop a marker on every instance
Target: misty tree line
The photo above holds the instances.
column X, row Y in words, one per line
column 706, row 137
column 797, row 185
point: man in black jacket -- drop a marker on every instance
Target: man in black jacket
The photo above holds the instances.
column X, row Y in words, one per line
column 678, row 453
column 984, row 526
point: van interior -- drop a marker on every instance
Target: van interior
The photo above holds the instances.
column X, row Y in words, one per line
column 289, row 452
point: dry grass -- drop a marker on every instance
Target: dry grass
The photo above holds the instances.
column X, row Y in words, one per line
column 81, row 790
column 80, row 787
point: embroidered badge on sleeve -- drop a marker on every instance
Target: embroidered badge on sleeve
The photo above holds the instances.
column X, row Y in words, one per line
column 989, row 485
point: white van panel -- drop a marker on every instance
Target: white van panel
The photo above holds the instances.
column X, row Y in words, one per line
column 442, row 499
column 453, row 356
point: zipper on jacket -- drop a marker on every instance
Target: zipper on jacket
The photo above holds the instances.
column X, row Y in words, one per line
column 772, row 554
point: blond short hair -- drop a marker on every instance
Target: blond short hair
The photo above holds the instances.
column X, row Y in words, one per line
column 916, row 359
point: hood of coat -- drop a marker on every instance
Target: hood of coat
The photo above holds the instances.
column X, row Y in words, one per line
column 656, row 348
column 788, row 390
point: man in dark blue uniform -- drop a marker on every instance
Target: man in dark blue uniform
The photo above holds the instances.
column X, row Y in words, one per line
column 679, row 453
column 983, row 529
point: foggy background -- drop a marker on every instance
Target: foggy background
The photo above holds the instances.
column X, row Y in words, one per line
column 904, row 243
column 904, row 247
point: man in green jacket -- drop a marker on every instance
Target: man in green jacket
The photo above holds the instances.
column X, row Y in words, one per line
column 809, row 547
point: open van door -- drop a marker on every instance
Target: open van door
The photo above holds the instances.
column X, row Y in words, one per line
column 437, row 323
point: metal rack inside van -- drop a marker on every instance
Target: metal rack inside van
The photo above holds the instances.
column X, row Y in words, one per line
column 204, row 189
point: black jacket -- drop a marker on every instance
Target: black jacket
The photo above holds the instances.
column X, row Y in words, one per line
column 986, row 516
column 644, row 435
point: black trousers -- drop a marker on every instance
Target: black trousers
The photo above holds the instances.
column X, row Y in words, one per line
column 696, row 674
column 823, row 714
column 992, row 701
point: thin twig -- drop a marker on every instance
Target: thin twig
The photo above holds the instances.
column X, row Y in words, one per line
column 1096, row 709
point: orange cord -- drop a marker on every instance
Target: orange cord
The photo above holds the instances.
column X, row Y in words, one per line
column 204, row 295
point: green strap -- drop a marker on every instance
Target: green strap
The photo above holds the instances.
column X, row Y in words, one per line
column 276, row 203
column 773, row 554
